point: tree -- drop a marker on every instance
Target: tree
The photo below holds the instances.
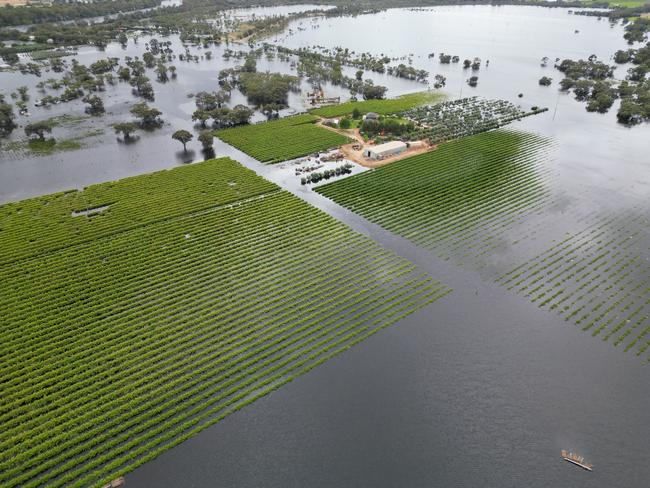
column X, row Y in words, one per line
column 183, row 137
column 143, row 87
column 240, row 114
column 220, row 116
column 149, row 59
column 124, row 73
column 149, row 116
column 473, row 81
column 630, row 112
column 356, row 113
column 23, row 92
column 126, row 129
column 201, row 116
column 10, row 58
column 206, row 139
column 344, row 123
column 95, row 105
column 250, row 65
column 7, row 116
column 373, row 92
column 161, row 72
column 38, row 129
column 545, row 81
column 359, row 75
column 206, row 101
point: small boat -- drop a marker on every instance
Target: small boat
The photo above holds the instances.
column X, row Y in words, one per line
column 577, row 460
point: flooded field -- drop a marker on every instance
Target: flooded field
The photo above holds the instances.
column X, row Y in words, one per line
column 485, row 387
column 482, row 388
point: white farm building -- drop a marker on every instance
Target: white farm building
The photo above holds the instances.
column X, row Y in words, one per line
column 385, row 150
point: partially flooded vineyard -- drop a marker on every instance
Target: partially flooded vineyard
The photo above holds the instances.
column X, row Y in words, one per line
column 459, row 199
column 597, row 278
column 135, row 336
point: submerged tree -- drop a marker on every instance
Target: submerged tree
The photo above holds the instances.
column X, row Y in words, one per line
column 545, row 81
column 149, row 116
column 183, row 137
column 206, row 138
column 95, row 105
column 38, row 129
column 7, row 116
column 126, row 129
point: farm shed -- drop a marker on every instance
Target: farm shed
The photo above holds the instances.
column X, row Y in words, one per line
column 385, row 150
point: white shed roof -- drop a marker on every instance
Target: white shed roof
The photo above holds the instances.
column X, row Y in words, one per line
column 387, row 147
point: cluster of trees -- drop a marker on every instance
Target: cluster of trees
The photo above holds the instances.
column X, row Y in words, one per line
column 474, row 64
column 211, row 105
column 408, row 72
column 545, row 81
column 315, row 177
column 590, row 69
column 148, row 119
column 38, row 129
column 386, row 126
column 64, row 11
column 7, row 117
column 269, row 91
column 637, row 31
column 224, row 116
column 319, row 68
column 590, row 81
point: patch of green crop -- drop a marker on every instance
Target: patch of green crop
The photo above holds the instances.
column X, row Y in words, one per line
column 280, row 140
column 211, row 289
column 384, row 107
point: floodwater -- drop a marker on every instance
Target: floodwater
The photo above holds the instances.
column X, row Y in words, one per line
column 482, row 388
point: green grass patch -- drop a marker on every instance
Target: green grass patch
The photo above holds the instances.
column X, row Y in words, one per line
column 384, row 107
column 49, row 146
column 183, row 311
column 280, row 140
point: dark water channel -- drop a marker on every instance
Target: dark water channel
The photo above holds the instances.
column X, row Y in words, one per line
column 482, row 388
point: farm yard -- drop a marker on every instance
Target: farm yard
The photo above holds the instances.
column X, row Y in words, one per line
column 281, row 140
column 141, row 332
column 596, row 278
column 383, row 107
column 457, row 200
